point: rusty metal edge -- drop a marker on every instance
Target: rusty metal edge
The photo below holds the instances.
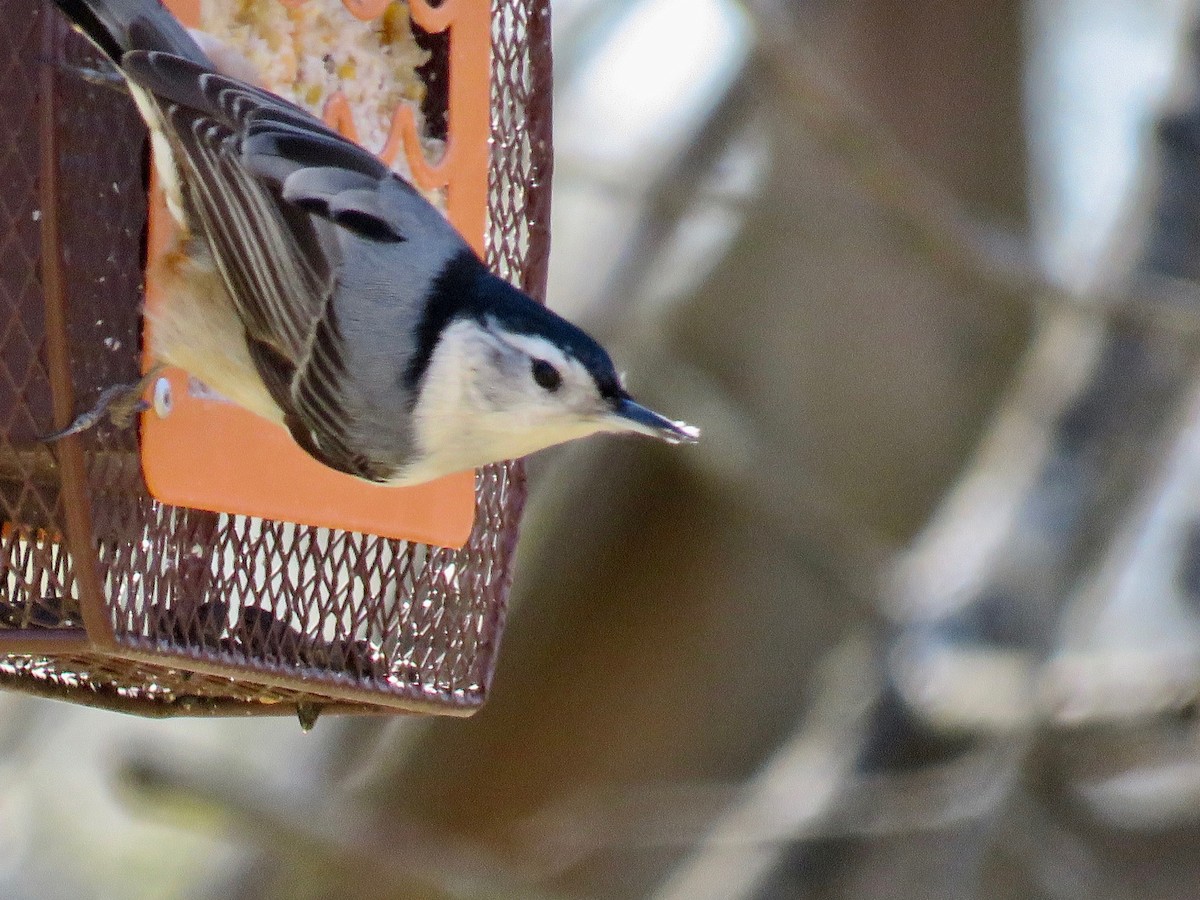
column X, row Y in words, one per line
column 296, row 679
column 42, row 641
column 192, row 706
column 541, row 157
column 498, row 614
column 75, row 499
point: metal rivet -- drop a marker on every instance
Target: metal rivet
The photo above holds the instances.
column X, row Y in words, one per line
column 162, row 398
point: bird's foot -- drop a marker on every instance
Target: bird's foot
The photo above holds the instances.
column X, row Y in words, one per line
column 119, row 403
column 105, row 78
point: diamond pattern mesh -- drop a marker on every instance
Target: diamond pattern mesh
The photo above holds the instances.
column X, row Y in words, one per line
column 36, row 584
column 219, row 614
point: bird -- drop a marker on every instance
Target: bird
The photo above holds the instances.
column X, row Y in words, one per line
column 315, row 287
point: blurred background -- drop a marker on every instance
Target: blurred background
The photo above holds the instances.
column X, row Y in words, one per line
column 919, row 618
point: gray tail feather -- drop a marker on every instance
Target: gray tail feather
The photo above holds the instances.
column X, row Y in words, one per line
column 118, row 26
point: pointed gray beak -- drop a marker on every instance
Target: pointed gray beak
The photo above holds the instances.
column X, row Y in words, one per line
column 632, row 416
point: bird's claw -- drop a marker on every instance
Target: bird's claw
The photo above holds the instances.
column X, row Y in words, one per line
column 120, row 403
column 105, row 78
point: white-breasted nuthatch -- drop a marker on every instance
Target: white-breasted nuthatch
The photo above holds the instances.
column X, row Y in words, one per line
column 315, row 287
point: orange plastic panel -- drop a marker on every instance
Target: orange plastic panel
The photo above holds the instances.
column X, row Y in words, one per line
column 212, row 455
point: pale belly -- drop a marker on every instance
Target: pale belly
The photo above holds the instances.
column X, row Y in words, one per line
column 197, row 329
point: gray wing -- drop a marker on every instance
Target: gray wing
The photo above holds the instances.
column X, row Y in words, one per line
column 279, row 196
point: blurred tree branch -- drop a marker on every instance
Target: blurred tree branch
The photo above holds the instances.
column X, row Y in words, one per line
column 324, row 845
column 940, row 230
column 937, row 227
column 1057, row 474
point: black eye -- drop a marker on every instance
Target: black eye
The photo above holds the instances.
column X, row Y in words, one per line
column 546, row 375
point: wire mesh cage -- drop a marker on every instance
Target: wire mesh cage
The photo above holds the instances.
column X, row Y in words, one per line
column 112, row 599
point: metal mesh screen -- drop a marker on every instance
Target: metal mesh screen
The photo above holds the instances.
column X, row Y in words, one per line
column 34, row 569
column 197, row 612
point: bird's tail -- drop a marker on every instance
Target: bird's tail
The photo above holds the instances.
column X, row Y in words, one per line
column 118, row 26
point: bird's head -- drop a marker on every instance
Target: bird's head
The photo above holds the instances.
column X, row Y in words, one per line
column 507, row 377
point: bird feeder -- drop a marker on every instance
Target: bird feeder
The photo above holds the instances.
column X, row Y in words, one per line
column 190, row 566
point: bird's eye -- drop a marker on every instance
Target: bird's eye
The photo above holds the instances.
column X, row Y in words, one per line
column 546, row 376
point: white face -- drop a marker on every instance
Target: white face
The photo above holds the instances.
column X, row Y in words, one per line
column 490, row 395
